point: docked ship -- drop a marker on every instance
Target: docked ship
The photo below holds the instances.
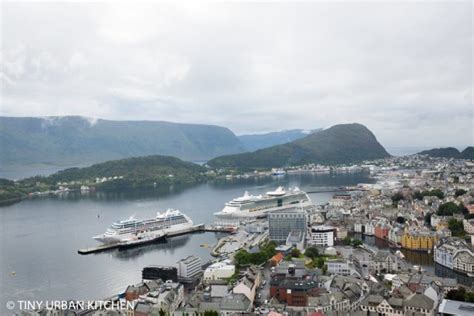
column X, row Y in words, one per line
column 132, row 230
column 252, row 206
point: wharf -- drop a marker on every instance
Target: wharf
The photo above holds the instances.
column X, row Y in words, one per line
column 193, row 229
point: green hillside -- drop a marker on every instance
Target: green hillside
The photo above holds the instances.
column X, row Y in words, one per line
column 74, row 140
column 449, row 152
column 345, row 143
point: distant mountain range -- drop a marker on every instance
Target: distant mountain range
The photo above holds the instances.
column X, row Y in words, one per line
column 74, row 140
column 450, row 152
column 253, row 142
column 345, row 143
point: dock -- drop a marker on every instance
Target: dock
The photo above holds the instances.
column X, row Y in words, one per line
column 193, row 229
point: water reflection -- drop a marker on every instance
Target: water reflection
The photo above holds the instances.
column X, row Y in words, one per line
column 419, row 258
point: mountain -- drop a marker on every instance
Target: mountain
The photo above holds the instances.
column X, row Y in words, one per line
column 253, row 142
column 449, row 152
column 468, row 153
column 75, row 140
column 345, row 143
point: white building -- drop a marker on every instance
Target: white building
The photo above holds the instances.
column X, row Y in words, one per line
column 369, row 229
column 469, row 226
column 338, row 267
column 321, row 235
column 448, row 249
column 219, row 271
column 189, row 268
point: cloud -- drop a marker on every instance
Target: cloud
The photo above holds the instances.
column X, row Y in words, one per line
column 403, row 69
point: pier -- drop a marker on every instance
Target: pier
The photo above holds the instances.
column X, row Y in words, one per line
column 193, row 229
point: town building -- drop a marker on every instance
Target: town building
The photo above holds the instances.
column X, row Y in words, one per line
column 219, row 271
column 321, row 235
column 419, row 239
column 189, row 268
column 282, row 222
column 338, row 267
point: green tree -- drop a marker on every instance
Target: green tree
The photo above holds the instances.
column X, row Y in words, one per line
column 460, row 192
column 456, row 227
column 396, row 198
column 295, row 253
column 448, row 209
column 311, row 252
column 320, row 262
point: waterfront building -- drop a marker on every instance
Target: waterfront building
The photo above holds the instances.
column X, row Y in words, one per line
column 339, row 200
column 463, row 261
column 446, row 248
column 358, row 227
column 189, row 268
column 282, row 222
column 381, row 230
column 423, row 240
column 219, row 271
column 160, row 272
column 369, row 229
column 321, row 235
column 395, row 235
column 384, row 262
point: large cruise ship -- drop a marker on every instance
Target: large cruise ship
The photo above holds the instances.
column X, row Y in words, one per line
column 259, row 205
column 171, row 221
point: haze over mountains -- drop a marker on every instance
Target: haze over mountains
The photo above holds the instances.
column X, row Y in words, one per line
column 29, row 144
column 73, row 140
column 344, row 143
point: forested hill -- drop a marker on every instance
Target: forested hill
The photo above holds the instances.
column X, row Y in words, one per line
column 344, row 143
column 449, row 152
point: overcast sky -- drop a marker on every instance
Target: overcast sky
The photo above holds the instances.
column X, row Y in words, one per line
column 405, row 70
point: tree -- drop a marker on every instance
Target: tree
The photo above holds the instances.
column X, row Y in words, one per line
column 456, row 227
column 295, row 253
column 401, row 220
column 320, row 262
column 325, row 268
column 397, row 197
column 311, row 252
column 460, row 192
column 448, row 209
column 356, row 242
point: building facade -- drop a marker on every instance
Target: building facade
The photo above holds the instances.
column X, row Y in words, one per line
column 282, row 222
column 321, row 235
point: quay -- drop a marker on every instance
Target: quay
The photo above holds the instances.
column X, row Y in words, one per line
column 193, row 229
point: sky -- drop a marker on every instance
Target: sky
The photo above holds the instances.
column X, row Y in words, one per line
column 403, row 69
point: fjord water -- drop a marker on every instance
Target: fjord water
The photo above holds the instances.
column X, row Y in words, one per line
column 39, row 238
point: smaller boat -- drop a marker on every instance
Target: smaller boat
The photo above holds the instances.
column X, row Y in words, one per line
column 278, row 172
column 142, row 239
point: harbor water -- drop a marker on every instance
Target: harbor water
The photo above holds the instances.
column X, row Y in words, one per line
column 39, row 238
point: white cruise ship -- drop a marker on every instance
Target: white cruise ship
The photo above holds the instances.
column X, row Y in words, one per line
column 249, row 205
column 171, row 221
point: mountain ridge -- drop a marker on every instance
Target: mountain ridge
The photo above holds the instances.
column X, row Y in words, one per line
column 254, row 142
column 449, row 152
column 76, row 140
column 343, row 143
